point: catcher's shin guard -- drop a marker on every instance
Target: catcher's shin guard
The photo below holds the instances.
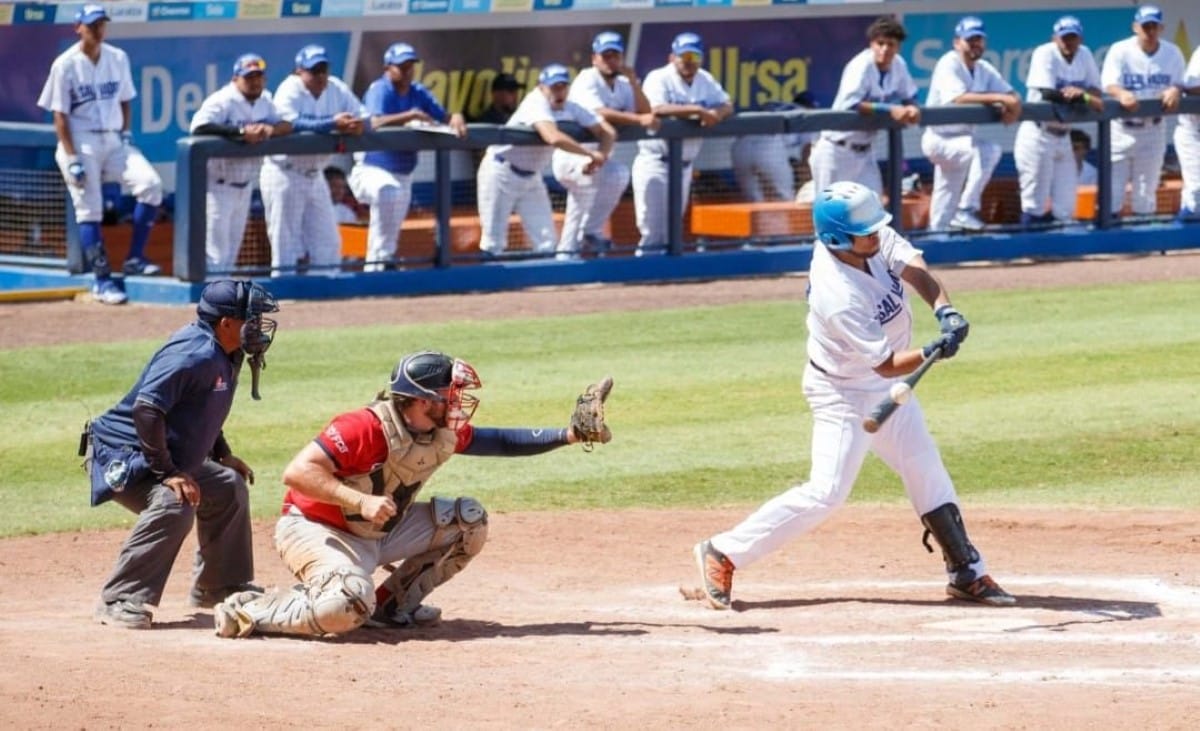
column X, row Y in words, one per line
column 945, row 524
column 333, row 604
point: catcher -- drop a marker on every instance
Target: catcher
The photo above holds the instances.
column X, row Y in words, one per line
column 350, row 504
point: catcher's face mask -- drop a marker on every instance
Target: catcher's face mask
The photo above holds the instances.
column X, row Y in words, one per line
column 460, row 406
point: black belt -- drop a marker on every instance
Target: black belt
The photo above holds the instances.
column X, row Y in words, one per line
column 855, row 148
column 232, row 183
column 667, row 159
column 1056, row 131
column 1141, row 122
column 519, row 171
column 311, row 173
column 102, row 131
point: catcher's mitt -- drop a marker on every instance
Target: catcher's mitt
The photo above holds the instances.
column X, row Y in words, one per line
column 587, row 422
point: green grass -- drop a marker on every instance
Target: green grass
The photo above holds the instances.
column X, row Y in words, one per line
column 1078, row 397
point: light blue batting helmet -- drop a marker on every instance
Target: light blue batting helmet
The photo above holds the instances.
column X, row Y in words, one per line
column 846, row 209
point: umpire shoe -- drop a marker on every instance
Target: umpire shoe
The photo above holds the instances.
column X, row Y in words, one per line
column 716, row 571
column 209, row 598
column 108, row 292
column 984, row 590
column 137, row 266
column 123, row 613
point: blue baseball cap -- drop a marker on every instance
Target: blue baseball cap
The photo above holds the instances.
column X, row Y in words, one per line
column 249, row 63
column 969, row 27
column 309, row 56
column 399, row 53
column 608, row 41
column 553, row 74
column 1148, row 14
column 90, row 13
column 1068, row 25
column 687, row 43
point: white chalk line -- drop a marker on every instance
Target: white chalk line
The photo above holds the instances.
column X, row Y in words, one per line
column 1083, row 676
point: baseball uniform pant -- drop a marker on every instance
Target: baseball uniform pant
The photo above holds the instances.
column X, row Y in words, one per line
column 1045, row 170
column 224, row 557
column 503, row 189
column 1187, row 147
column 1137, row 159
column 963, row 166
column 389, row 195
column 762, row 168
column 650, row 197
column 831, row 162
column 227, row 206
column 106, row 158
column 300, row 221
column 839, row 446
column 591, row 199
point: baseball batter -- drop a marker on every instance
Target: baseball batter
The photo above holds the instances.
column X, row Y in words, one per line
column 301, row 224
column 963, row 164
column 860, row 326
column 1143, row 66
column 351, row 506
column 611, row 90
column 242, row 110
column 763, row 165
column 383, row 178
column 510, row 176
column 89, row 91
column 683, row 90
column 874, row 82
column 1061, row 71
column 1187, row 146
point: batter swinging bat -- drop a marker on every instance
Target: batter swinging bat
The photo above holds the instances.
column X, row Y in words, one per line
column 884, row 408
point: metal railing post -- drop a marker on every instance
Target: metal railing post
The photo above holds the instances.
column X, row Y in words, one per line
column 442, row 203
column 675, row 202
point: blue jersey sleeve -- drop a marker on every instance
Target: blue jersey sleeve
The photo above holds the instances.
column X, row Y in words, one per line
column 373, row 99
column 428, row 104
column 486, row 442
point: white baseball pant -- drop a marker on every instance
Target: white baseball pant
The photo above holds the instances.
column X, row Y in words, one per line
column 650, row 197
column 1045, row 170
column 106, row 158
column 503, row 189
column 1187, row 147
column 839, row 447
column 300, row 220
column 226, row 206
column 831, row 162
column 389, row 196
column 591, row 199
column 1137, row 159
column 759, row 160
column 962, row 168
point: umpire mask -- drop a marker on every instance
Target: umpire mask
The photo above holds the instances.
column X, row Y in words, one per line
column 246, row 301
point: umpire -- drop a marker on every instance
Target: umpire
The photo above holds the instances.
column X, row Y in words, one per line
column 161, row 453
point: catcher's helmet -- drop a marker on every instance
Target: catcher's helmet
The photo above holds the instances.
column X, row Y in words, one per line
column 432, row 375
column 846, row 209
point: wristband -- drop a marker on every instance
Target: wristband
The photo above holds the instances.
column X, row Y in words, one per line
column 348, row 498
column 1087, row 98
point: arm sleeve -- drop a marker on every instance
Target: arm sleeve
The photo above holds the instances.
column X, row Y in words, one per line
column 486, row 442
column 430, row 106
column 151, row 425
column 300, row 124
column 230, row 131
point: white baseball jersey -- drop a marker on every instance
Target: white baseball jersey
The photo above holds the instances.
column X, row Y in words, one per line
column 1191, row 79
column 90, row 94
column 1146, row 75
column 862, row 81
column 534, row 108
column 590, row 90
column 228, row 106
column 951, row 79
column 1049, row 70
column 856, row 321
column 295, row 103
column 664, row 85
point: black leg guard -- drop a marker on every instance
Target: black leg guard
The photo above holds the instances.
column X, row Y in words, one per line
column 945, row 524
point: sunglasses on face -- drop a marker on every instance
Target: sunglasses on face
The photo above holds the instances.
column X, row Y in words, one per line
column 690, row 57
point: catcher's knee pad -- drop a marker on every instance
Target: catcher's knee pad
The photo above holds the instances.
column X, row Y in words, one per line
column 418, row 575
column 466, row 514
column 945, row 524
column 333, row 603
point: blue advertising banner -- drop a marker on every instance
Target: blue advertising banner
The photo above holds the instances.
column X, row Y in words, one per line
column 760, row 61
column 301, row 8
column 26, row 61
column 174, row 75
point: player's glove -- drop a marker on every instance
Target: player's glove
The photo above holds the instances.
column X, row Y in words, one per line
column 587, row 421
column 76, row 171
column 947, row 342
column 951, row 320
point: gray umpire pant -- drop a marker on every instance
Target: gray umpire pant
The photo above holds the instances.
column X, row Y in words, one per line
column 225, row 554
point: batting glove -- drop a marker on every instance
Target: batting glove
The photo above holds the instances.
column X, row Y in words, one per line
column 126, row 137
column 951, row 320
column 76, row 171
column 947, row 342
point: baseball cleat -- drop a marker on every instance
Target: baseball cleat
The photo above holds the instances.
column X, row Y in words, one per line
column 138, row 266
column 425, row 615
column 967, row 220
column 129, row 615
column 108, row 292
column 716, row 571
column 984, row 590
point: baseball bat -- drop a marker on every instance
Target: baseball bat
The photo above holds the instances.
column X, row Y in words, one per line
column 884, row 409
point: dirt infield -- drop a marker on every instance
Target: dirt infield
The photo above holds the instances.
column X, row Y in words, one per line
column 572, row 620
